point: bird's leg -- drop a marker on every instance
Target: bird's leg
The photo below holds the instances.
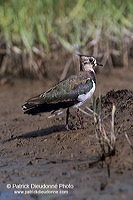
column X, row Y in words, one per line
column 67, row 116
column 80, row 119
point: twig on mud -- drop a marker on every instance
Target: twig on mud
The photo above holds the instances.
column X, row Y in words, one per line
column 85, row 112
column 131, row 145
column 91, row 110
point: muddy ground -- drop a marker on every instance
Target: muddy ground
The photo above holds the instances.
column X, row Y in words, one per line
column 38, row 150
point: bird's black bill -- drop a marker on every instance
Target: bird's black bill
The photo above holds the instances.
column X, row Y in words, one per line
column 99, row 64
column 79, row 55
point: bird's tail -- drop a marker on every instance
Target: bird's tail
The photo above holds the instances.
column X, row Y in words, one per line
column 35, row 108
column 32, row 109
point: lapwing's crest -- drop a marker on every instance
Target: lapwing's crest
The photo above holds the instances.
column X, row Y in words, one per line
column 72, row 92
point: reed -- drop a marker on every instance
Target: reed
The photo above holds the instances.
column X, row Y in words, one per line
column 31, row 31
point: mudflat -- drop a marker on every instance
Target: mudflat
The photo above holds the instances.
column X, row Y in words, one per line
column 37, row 152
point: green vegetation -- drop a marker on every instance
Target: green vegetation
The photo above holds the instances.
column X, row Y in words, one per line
column 32, row 29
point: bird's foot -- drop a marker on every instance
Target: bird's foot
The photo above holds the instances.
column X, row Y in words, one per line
column 82, row 125
column 67, row 127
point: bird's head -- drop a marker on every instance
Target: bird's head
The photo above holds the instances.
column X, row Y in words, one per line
column 88, row 63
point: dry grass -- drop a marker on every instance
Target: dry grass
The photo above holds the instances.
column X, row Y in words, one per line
column 105, row 133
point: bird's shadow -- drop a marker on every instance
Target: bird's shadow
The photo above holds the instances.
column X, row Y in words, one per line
column 39, row 133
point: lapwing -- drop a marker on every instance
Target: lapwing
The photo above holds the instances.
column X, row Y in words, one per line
column 71, row 92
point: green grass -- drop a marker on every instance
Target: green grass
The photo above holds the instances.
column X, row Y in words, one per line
column 39, row 27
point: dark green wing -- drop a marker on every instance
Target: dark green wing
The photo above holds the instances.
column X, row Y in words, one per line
column 67, row 90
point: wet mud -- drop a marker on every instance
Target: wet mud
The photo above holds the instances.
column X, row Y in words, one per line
column 38, row 150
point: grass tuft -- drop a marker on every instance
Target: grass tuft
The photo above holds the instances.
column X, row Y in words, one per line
column 106, row 138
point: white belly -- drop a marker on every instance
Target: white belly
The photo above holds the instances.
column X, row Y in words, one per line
column 84, row 97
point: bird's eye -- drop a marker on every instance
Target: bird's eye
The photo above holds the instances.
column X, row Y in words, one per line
column 91, row 60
